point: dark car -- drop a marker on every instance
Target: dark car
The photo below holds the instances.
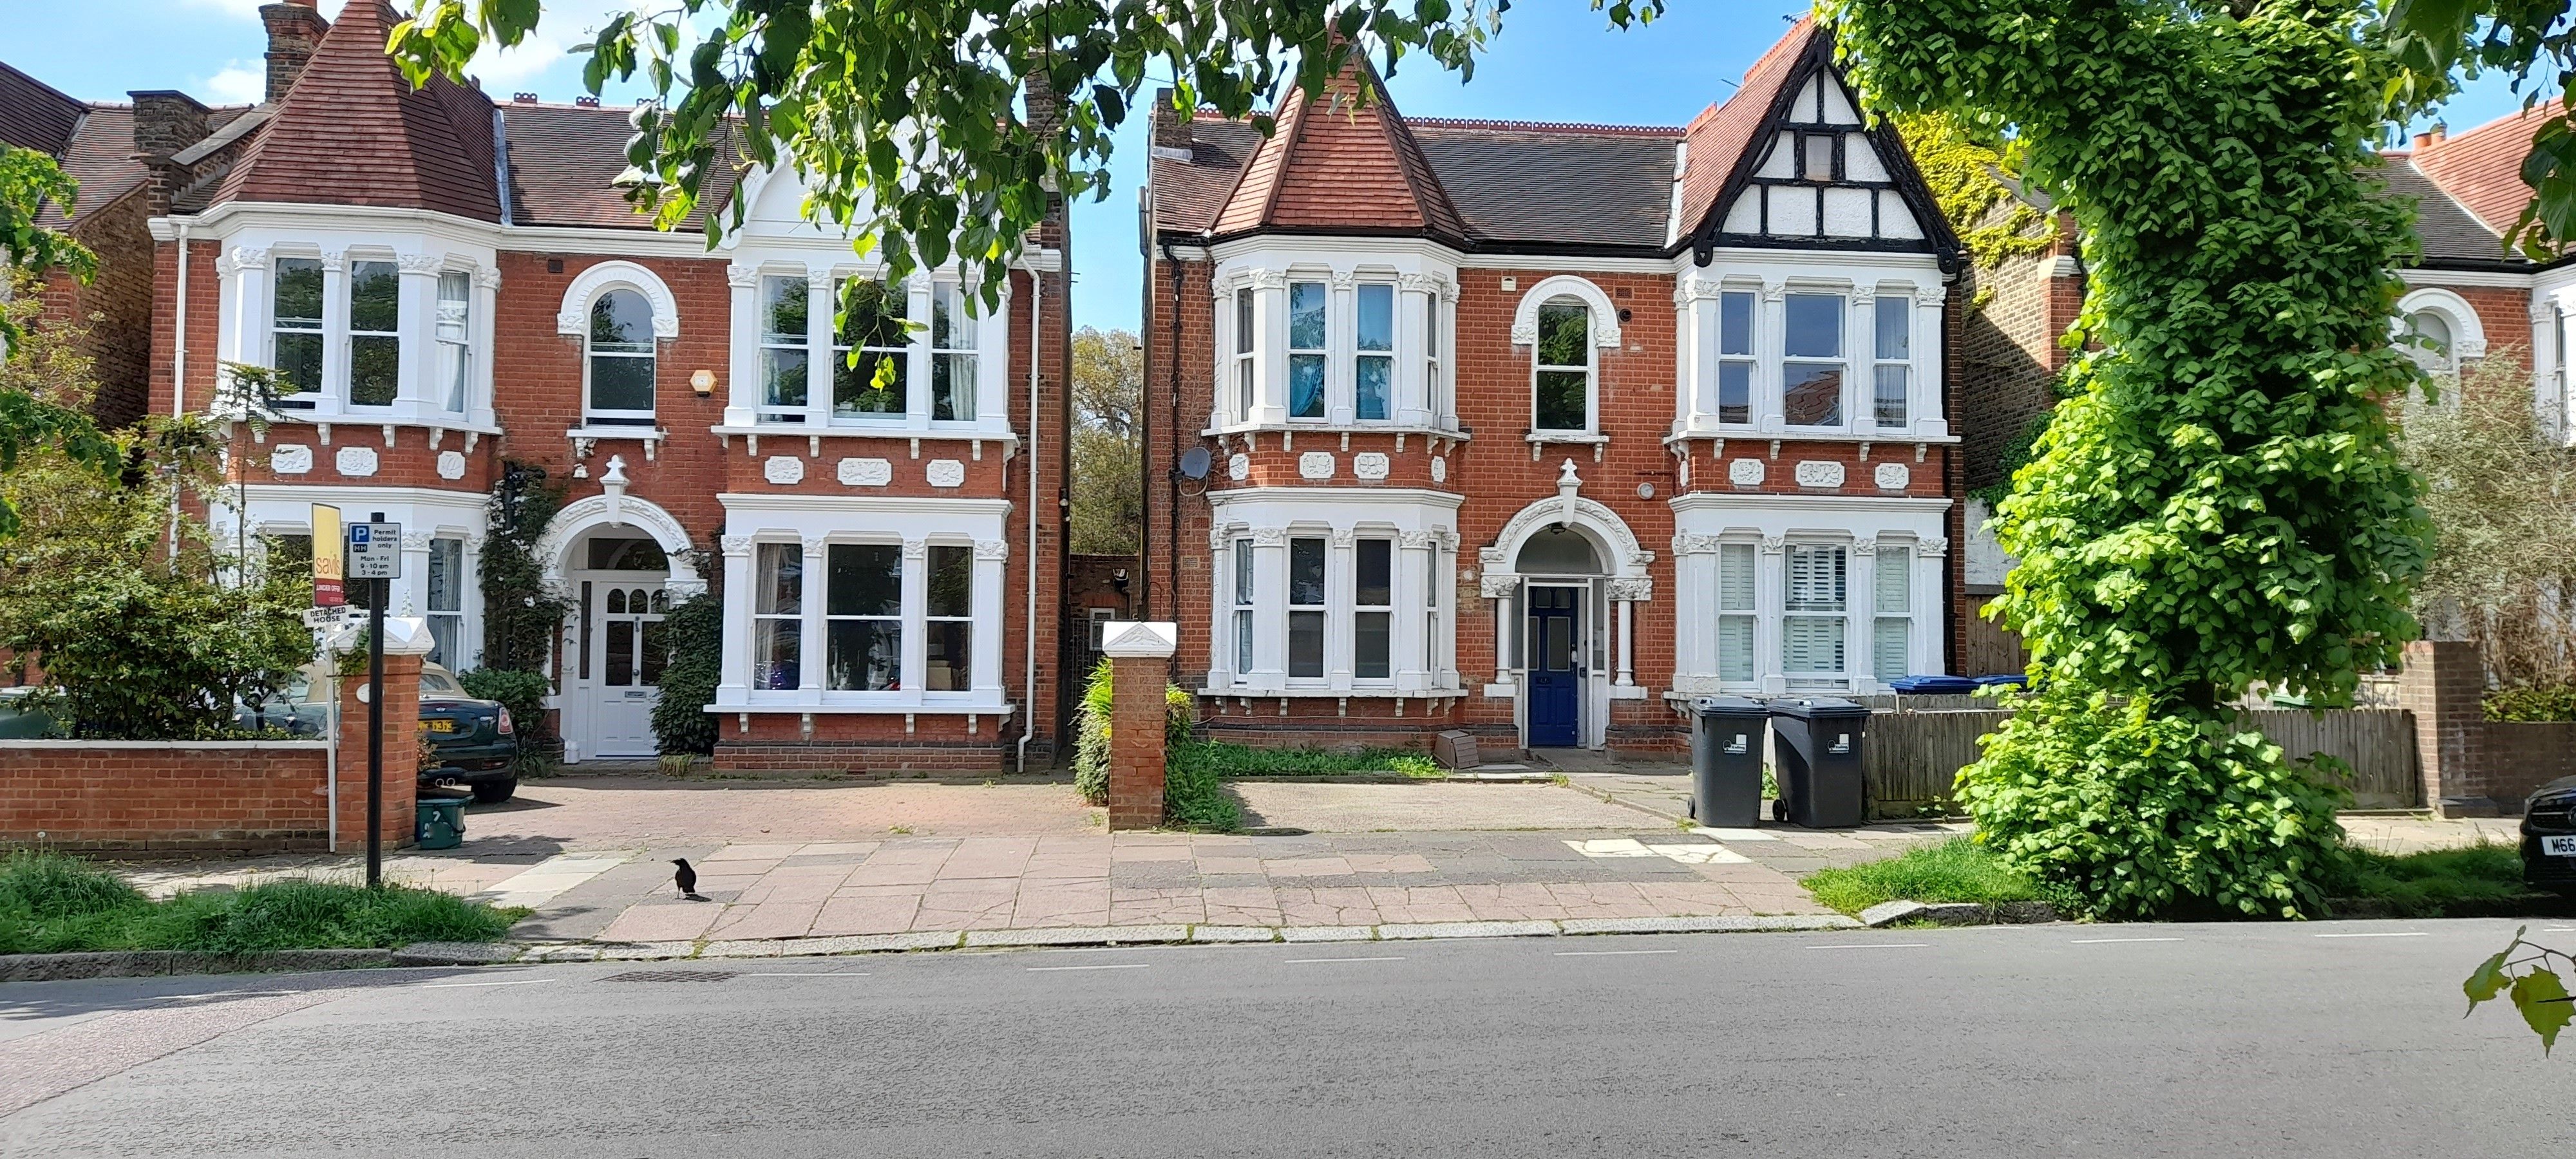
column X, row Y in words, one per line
column 475, row 742
column 2549, row 837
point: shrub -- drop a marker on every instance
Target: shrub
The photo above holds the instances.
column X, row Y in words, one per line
column 693, row 635
column 1226, row 759
column 2551, row 702
column 2143, row 814
column 523, row 693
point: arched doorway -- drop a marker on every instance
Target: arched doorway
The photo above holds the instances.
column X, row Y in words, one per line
column 621, row 567
column 1561, row 619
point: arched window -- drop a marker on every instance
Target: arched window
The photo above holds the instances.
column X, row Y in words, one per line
column 1562, row 389
column 621, row 359
column 2432, row 345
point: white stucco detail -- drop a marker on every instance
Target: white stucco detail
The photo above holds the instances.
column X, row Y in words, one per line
column 1315, row 465
column 1820, row 473
column 451, row 464
column 1238, row 466
column 355, row 462
column 865, row 472
column 945, row 473
column 1894, row 476
column 1369, row 465
column 1440, row 468
column 574, row 318
column 291, row 459
column 1605, row 316
column 784, row 470
column 1746, row 472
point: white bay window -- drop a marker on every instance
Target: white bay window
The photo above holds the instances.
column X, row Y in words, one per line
column 824, row 350
column 1859, row 359
column 1331, row 348
column 1343, row 596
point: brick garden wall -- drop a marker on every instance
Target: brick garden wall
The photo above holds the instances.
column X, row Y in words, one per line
column 154, row 796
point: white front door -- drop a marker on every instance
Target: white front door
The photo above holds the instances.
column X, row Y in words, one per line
column 619, row 675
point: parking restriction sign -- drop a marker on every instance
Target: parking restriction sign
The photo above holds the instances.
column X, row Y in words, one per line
column 375, row 551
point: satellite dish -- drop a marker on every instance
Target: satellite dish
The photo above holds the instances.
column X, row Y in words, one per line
column 1194, row 463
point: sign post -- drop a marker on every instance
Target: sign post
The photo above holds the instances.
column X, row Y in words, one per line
column 375, row 556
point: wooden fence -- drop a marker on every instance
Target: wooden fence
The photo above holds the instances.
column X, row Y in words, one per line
column 1912, row 757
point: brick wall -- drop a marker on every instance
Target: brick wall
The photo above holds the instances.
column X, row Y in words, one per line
column 1136, row 740
column 2473, row 766
column 115, row 309
column 153, row 796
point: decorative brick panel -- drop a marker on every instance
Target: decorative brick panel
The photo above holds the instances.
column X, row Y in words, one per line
column 140, row 796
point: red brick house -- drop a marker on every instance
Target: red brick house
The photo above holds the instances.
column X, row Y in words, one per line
column 1540, row 429
column 450, row 284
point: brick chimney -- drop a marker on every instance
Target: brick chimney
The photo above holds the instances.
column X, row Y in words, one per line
column 295, row 27
column 165, row 122
column 1171, row 125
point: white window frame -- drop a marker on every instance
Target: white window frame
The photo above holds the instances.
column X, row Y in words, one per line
column 1321, row 353
column 319, row 327
column 350, row 334
column 950, row 301
column 1591, row 368
column 1351, row 622
column 1745, row 612
column 901, row 619
column 1902, row 362
column 1245, row 587
column 651, row 351
column 1247, row 352
column 1384, row 356
column 792, row 622
column 446, row 624
column 1790, row 611
column 1891, row 564
column 1321, row 607
column 1747, row 361
column 1841, row 360
column 965, row 558
column 902, row 356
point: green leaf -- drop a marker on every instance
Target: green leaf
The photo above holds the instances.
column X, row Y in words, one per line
column 2487, row 981
column 2544, row 1004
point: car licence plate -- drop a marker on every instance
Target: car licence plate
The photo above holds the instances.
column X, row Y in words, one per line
column 2564, row 846
column 450, row 726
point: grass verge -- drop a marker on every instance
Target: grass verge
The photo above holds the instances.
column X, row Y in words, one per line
column 1222, row 759
column 1955, row 870
column 2432, row 883
column 51, row 903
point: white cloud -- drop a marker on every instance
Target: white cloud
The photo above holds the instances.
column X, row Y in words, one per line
column 239, row 83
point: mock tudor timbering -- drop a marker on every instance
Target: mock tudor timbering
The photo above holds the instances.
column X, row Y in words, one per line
column 451, row 290
column 1452, row 376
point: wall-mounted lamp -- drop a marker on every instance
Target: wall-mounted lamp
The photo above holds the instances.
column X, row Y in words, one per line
column 612, row 483
column 1118, row 580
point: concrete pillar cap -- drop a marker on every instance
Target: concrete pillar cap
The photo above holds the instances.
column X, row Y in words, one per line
column 1139, row 639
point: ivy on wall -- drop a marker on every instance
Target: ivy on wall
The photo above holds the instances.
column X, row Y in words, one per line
column 2218, row 501
column 1966, row 175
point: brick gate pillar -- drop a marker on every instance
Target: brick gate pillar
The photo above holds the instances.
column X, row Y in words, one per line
column 407, row 642
column 2441, row 685
column 1139, row 657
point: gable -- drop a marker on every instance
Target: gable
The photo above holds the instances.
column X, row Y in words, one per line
column 1823, row 174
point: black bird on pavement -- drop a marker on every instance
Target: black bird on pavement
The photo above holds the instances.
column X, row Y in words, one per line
column 686, row 878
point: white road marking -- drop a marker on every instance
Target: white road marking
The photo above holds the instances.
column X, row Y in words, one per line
column 2413, row 934
column 511, row 982
column 1120, row 966
column 2109, row 941
column 1608, row 953
column 808, row 974
column 1304, row 961
column 1873, row 946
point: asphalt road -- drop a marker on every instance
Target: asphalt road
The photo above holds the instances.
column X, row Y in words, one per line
column 2340, row 1040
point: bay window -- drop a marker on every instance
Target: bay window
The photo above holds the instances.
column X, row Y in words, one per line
column 1306, row 608
column 1811, row 368
column 1308, row 339
column 783, row 349
column 1373, row 375
column 375, row 333
column 1814, row 623
column 1243, row 353
column 455, row 338
column 1892, row 624
column 1435, row 392
column 1242, row 606
column 295, row 334
column 1895, row 325
column 1734, row 402
column 950, row 619
column 1735, row 613
column 778, row 614
column 863, row 616
column 872, row 325
column 445, row 604
column 1562, row 386
column 1373, row 610
column 952, row 354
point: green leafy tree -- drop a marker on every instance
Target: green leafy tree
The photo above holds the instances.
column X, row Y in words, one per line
column 927, row 126
column 1108, row 491
column 114, row 590
column 2218, row 501
column 29, row 179
column 2531, row 42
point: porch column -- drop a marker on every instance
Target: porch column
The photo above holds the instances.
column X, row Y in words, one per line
column 1770, row 601
column 1341, row 588
column 734, row 685
column 1413, row 594
column 992, row 615
column 742, row 380
column 1627, row 639
column 820, row 303
column 1768, row 384
column 1269, row 610
column 416, row 305
column 1270, row 349
column 811, row 637
column 916, row 624
column 1417, row 295
column 481, row 329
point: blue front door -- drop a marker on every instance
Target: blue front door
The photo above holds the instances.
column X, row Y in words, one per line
column 1555, row 667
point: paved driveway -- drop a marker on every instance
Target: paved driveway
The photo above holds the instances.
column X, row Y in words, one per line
column 574, row 813
column 1325, row 806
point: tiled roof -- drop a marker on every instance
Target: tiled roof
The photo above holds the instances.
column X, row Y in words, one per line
column 1343, row 161
column 99, row 157
column 2445, row 228
column 564, row 162
column 1718, row 137
column 352, row 131
column 1189, row 192
column 1512, row 185
column 2482, row 168
column 35, row 115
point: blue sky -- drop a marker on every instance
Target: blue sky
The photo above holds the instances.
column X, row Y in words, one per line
column 1555, row 60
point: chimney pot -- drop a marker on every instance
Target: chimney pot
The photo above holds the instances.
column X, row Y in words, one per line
column 586, row 102
column 1171, row 125
column 523, row 98
column 2423, row 139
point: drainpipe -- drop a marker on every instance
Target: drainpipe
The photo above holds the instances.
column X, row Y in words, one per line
column 1029, row 625
column 179, row 379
